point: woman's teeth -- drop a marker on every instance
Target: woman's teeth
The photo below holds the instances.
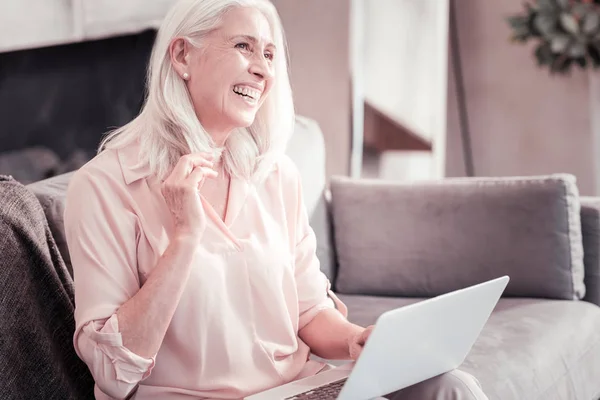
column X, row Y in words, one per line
column 246, row 92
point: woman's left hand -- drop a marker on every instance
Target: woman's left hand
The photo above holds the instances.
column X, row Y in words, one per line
column 357, row 342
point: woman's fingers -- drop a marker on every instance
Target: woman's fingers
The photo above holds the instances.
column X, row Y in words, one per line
column 358, row 342
column 364, row 336
column 357, row 352
column 187, row 163
column 199, row 173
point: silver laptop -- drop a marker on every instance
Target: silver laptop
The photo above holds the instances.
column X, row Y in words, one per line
column 408, row 345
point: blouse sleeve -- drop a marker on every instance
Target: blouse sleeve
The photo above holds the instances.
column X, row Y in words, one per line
column 101, row 235
column 314, row 289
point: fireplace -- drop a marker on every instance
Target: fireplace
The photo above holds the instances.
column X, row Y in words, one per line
column 57, row 102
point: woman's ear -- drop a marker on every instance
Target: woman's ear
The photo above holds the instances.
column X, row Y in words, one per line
column 179, row 49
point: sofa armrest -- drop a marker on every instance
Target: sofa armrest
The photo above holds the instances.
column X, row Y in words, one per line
column 590, row 229
column 52, row 193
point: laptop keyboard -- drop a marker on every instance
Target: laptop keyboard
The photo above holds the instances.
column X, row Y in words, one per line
column 326, row 392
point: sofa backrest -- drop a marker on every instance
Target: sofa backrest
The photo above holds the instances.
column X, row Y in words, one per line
column 51, row 194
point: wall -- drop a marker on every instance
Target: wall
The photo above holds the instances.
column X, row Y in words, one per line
column 406, row 67
column 33, row 24
column 522, row 120
column 318, row 38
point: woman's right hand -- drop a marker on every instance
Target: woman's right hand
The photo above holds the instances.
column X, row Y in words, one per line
column 180, row 191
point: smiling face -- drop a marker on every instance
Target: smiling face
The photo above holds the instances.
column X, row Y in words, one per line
column 231, row 74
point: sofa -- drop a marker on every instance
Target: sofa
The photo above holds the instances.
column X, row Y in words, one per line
column 389, row 244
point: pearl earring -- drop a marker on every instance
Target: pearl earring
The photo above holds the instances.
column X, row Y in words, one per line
column 186, row 76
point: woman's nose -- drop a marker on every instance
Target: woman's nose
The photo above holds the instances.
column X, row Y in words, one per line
column 261, row 67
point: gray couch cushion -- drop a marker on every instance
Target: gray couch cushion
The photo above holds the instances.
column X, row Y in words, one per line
column 529, row 349
column 51, row 194
column 539, row 349
column 428, row 238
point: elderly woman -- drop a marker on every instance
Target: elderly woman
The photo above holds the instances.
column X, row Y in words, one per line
column 194, row 263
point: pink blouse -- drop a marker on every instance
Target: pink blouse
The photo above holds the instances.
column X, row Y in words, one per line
column 255, row 283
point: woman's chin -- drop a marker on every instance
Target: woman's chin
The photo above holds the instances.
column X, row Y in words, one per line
column 245, row 120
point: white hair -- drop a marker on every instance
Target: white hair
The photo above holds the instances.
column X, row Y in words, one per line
column 167, row 127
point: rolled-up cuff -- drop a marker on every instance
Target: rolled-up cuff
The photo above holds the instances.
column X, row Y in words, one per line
column 330, row 302
column 339, row 305
column 129, row 367
column 312, row 312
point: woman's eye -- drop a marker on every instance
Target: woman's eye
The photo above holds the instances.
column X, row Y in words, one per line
column 244, row 46
column 269, row 56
